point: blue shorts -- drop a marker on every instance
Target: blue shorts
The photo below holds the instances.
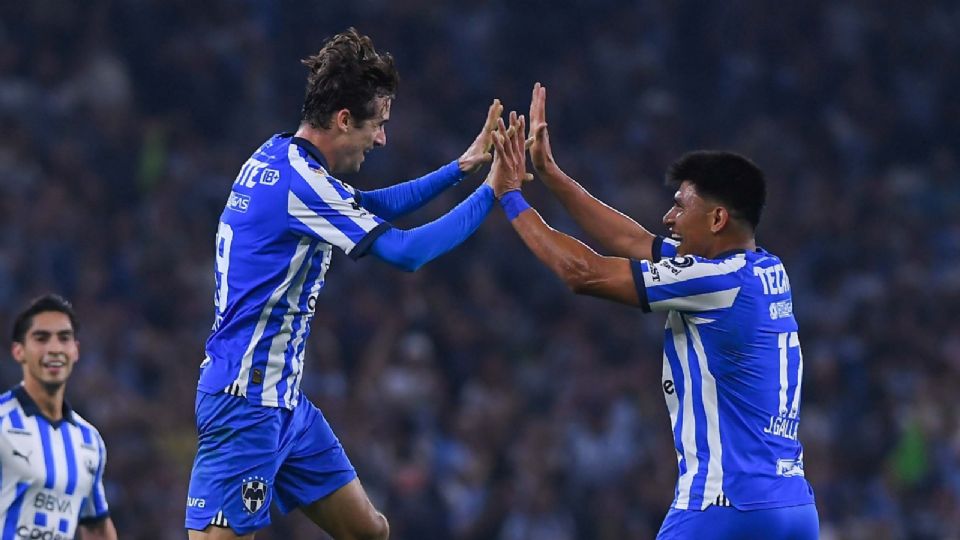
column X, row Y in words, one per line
column 726, row 522
column 248, row 454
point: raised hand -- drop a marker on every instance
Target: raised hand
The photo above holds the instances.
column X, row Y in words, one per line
column 478, row 153
column 509, row 169
column 539, row 142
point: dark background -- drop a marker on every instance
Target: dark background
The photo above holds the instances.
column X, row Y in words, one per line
column 477, row 397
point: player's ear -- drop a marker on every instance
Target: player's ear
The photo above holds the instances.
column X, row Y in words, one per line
column 719, row 218
column 17, row 351
column 342, row 119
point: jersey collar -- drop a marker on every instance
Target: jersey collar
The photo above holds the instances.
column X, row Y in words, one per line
column 309, row 148
column 30, row 407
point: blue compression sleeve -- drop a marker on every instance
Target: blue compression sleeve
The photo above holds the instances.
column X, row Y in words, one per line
column 394, row 201
column 409, row 250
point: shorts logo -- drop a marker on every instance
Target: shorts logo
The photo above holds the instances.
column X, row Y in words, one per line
column 254, row 493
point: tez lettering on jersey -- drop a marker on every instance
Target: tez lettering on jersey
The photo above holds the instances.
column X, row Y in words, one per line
column 732, row 365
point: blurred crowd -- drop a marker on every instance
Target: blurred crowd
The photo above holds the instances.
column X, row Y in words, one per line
column 477, row 397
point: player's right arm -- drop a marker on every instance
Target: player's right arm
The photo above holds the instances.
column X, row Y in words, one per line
column 321, row 207
column 618, row 233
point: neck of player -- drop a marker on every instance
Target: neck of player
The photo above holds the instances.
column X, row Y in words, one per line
column 49, row 398
column 325, row 142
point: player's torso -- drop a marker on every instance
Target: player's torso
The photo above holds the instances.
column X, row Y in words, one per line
column 732, row 382
column 267, row 282
column 46, row 473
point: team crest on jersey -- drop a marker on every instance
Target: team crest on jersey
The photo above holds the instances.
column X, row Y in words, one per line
column 682, row 262
column 254, row 493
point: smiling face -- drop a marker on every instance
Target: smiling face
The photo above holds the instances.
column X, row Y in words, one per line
column 358, row 138
column 49, row 351
column 692, row 221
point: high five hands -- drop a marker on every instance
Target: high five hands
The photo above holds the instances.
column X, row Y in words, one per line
column 509, row 170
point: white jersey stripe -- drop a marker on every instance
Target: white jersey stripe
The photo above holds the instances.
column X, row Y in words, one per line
column 320, row 183
column 293, row 380
column 295, row 263
column 699, row 270
column 708, row 384
column 784, row 381
column 320, row 225
column 795, row 406
column 278, row 347
column 698, row 302
column 688, row 434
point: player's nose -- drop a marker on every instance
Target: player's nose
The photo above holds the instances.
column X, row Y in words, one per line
column 381, row 138
column 668, row 218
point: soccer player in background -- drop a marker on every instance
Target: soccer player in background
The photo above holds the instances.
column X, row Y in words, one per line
column 51, row 459
column 732, row 366
column 260, row 440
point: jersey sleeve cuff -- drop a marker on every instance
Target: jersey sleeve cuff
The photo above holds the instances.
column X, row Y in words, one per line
column 637, row 268
column 361, row 248
column 452, row 171
column 656, row 249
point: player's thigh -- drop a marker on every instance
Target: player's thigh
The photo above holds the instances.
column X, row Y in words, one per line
column 314, row 463
column 317, row 477
column 216, row 533
column 348, row 513
column 722, row 523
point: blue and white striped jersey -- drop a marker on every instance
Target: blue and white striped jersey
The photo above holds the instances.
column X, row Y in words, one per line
column 51, row 473
column 732, row 374
column 274, row 243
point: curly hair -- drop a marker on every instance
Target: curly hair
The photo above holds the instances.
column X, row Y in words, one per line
column 347, row 73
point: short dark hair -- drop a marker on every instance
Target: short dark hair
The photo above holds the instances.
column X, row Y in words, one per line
column 43, row 304
column 726, row 177
column 347, row 73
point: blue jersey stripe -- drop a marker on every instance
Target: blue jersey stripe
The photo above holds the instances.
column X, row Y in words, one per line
column 691, row 287
column 44, row 428
column 671, row 353
column 71, row 458
column 700, row 419
column 261, row 353
column 87, row 434
column 13, row 513
column 15, row 419
column 322, row 208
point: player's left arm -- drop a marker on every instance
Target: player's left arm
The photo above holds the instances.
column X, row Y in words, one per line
column 400, row 199
column 98, row 530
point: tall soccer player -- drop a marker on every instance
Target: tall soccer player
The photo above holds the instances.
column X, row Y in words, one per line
column 732, row 366
column 260, row 440
column 51, row 459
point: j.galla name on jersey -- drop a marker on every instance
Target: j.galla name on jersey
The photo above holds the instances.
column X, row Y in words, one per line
column 783, row 426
